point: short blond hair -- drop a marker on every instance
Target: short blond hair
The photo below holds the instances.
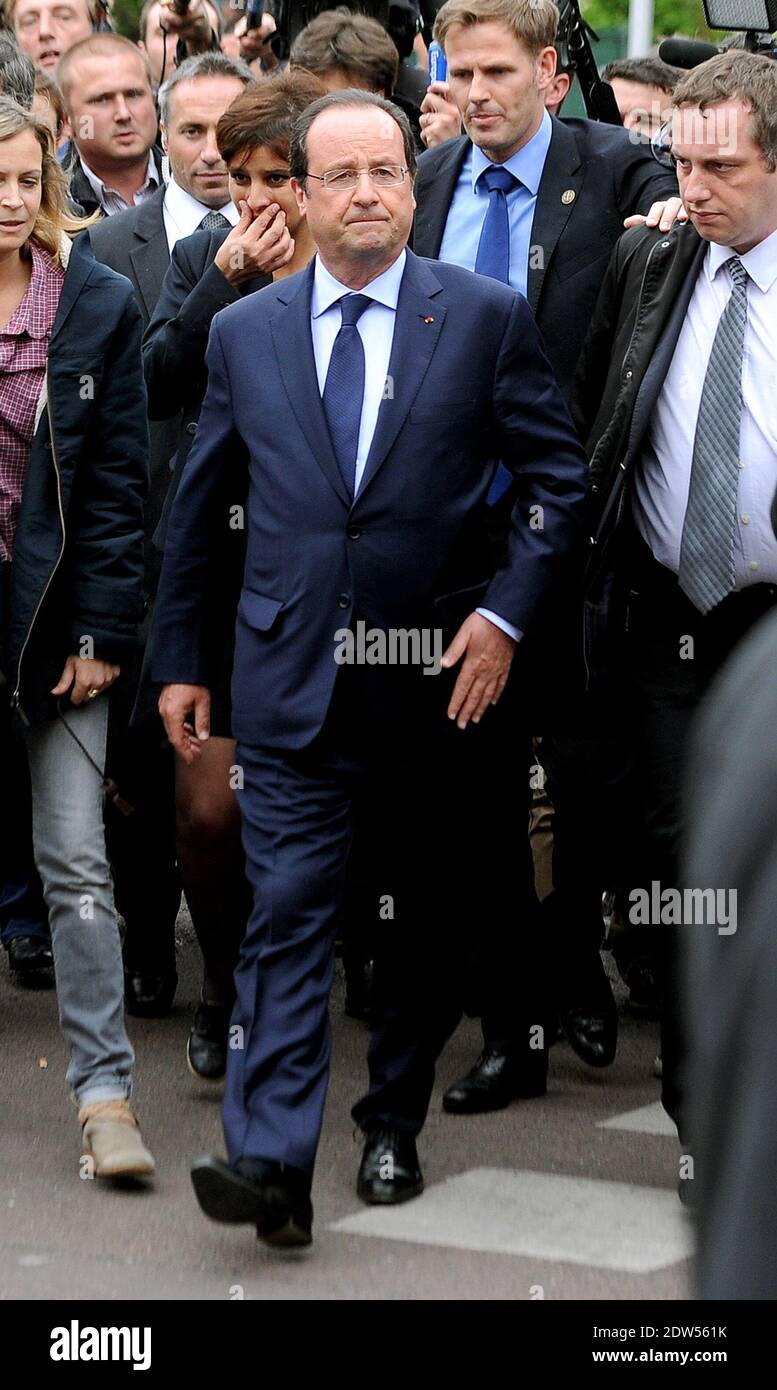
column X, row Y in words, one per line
column 95, row 46
column 53, row 216
column 533, row 22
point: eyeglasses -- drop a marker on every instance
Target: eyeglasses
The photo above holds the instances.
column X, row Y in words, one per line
column 382, row 175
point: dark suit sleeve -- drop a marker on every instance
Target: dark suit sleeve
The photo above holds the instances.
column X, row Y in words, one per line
column 188, row 627
column 536, row 441
column 176, row 338
column 642, row 181
column 106, row 548
column 595, row 359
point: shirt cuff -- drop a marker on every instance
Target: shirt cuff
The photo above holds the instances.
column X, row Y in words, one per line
column 514, row 632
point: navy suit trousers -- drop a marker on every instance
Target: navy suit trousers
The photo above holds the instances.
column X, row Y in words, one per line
column 449, row 869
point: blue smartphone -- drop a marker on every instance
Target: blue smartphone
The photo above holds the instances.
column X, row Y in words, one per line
column 438, row 67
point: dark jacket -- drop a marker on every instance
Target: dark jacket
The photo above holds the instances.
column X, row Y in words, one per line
column 411, row 550
column 78, row 553
column 174, row 343
column 134, row 243
column 610, row 175
column 631, row 342
column 81, row 191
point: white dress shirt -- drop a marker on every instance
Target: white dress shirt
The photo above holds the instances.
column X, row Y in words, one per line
column 662, row 477
column 376, row 330
column 110, row 201
column 183, row 214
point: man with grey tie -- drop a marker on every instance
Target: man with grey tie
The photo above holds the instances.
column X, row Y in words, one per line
column 675, row 396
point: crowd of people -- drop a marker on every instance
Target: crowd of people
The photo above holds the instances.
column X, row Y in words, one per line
column 386, row 473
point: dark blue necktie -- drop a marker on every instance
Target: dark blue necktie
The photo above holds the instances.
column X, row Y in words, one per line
column 344, row 387
column 493, row 256
column 493, row 259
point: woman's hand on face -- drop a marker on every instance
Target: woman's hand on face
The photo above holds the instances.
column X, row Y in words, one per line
column 259, row 245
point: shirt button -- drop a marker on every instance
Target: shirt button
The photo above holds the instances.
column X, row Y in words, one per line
column 754, row 565
column 344, row 601
column 354, row 533
column 740, row 463
column 745, row 519
column 628, row 375
column 191, row 428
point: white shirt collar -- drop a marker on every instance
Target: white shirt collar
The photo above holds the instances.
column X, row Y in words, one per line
column 760, row 262
column 101, row 189
column 384, row 288
column 187, row 213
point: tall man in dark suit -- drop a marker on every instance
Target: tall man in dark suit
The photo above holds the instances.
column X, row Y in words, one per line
column 365, row 398
column 540, row 203
column 675, row 398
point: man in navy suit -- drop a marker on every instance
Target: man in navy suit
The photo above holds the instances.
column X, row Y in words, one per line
column 367, row 398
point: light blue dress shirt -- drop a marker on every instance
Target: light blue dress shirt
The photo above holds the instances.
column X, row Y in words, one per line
column 469, row 206
column 376, row 330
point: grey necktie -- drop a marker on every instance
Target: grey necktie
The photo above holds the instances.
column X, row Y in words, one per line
column 707, row 547
column 213, row 222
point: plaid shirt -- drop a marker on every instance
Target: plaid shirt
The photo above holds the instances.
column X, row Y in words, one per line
column 24, row 345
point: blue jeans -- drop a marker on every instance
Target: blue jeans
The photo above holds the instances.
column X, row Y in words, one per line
column 69, row 843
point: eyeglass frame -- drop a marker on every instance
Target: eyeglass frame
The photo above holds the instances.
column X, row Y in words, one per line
column 401, row 169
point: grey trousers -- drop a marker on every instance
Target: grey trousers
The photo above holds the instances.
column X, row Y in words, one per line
column 69, row 842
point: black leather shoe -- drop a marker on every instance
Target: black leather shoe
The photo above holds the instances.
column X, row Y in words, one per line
column 645, row 987
column 30, row 959
column 592, row 1033
column 147, row 995
column 271, row 1196
column 494, row 1081
column 389, row 1172
column 206, row 1049
column 358, row 988
column 587, row 1011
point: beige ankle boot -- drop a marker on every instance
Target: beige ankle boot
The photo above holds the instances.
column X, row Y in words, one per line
column 112, row 1139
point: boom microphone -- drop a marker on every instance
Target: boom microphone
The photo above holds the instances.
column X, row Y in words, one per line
column 687, row 53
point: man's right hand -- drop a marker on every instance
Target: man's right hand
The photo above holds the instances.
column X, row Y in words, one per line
column 440, row 118
column 185, row 711
column 259, row 244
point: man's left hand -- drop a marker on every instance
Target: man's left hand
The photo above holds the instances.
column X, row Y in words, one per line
column 488, row 654
column 663, row 215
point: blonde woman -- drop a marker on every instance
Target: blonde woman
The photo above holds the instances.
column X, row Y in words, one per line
column 73, row 451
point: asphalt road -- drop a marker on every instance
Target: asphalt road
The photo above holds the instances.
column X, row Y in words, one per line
column 567, row 1197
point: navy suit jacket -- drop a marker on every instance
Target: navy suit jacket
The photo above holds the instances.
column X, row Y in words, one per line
column 468, row 383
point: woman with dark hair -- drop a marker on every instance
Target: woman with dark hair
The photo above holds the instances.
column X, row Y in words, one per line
column 208, row 271
column 73, row 451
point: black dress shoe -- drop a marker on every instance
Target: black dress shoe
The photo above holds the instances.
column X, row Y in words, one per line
column 270, row 1196
column 495, row 1080
column 30, row 959
column 591, row 1027
column 389, row 1172
column 206, row 1049
column 147, row 995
